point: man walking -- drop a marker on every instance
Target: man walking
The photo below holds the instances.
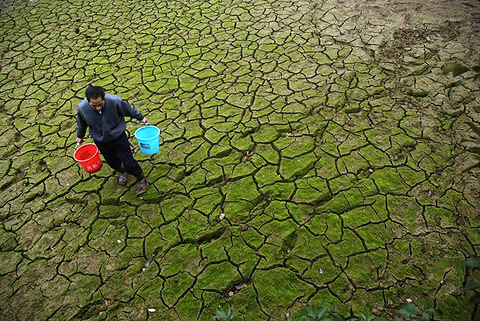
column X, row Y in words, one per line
column 104, row 116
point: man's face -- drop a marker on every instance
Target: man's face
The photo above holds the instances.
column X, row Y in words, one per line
column 97, row 103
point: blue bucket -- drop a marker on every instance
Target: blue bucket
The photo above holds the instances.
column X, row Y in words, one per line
column 148, row 139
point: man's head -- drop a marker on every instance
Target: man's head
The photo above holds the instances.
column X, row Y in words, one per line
column 96, row 97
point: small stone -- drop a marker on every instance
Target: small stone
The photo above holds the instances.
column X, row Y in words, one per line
column 119, row 241
column 63, row 224
column 370, row 170
column 151, row 310
column 288, row 134
column 230, row 294
column 68, row 184
column 221, row 217
column 240, row 286
column 287, row 315
column 409, row 300
column 321, row 271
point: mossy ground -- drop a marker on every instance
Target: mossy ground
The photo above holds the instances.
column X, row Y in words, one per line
column 320, row 131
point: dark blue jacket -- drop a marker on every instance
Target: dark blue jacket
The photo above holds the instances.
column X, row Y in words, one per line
column 109, row 123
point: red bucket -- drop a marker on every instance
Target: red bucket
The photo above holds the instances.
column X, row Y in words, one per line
column 88, row 156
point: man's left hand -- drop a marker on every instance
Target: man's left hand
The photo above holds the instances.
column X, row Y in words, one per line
column 144, row 121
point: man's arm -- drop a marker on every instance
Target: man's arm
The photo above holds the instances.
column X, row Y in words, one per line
column 128, row 110
column 81, row 128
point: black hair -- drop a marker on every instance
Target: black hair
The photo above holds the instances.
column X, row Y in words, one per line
column 95, row 92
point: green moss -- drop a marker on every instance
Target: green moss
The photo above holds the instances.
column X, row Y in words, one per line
column 115, row 211
column 279, row 191
column 306, row 193
column 325, row 167
column 333, row 226
column 93, row 184
column 267, row 175
column 193, row 224
column 244, row 256
column 349, row 244
column 243, row 189
column 277, row 209
column 411, row 177
column 9, row 262
column 88, row 284
column 175, row 207
column 175, row 286
column 342, row 183
column 207, row 199
column 243, row 169
column 407, row 211
column 388, row 180
column 188, row 307
column 342, row 287
column 358, row 216
column 265, row 134
column 300, row 145
column 246, row 304
column 376, row 235
column 362, row 268
column 252, row 237
column 308, row 247
column 336, row 204
column 243, row 143
column 218, row 277
column 297, row 167
column 450, row 200
column 267, row 152
column 183, row 257
column 277, row 288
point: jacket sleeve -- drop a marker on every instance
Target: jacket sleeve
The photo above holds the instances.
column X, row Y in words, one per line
column 81, row 126
column 128, row 110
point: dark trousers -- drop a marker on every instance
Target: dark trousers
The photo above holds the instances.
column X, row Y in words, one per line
column 118, row 153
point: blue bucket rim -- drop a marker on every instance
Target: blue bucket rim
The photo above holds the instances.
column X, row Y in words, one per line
column 150, row 126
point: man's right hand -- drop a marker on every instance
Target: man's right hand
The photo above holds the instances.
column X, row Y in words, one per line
column 79, row 140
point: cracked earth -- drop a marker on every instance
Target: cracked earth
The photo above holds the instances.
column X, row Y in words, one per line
column 310, row 153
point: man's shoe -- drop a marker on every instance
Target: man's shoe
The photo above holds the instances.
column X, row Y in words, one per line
column 123, row 178
column 142, row 186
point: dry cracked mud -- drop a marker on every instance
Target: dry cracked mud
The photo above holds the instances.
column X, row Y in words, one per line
column 324, row 131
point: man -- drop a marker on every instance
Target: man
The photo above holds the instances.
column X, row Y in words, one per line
column 104, row 116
